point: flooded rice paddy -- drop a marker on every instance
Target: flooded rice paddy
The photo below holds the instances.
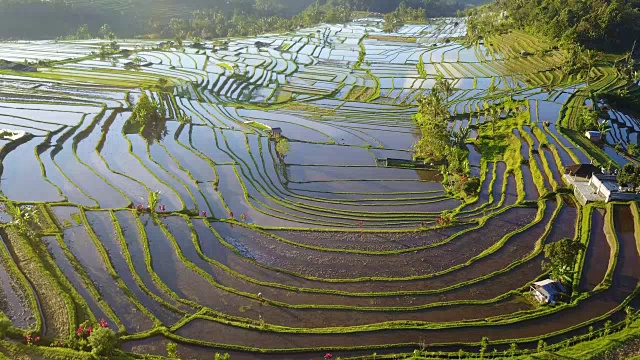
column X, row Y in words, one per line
column 325, row 246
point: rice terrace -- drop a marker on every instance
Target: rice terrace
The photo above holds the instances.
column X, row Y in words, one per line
column 443, row 188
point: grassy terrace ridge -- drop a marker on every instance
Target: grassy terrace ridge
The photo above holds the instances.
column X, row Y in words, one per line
column 263, row 197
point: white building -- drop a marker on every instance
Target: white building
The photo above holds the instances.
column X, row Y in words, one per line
column 594, row 136
column 547, row 291
column 607, row 187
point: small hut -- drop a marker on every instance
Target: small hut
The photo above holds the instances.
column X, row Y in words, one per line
column 276, row 132
column 594, row 136
column 548, row 291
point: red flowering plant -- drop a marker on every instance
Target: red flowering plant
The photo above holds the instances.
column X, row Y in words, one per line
column 81, row 341
column 30, row 339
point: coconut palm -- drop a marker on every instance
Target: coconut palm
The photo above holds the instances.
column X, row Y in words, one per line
column 589, row 58
column 459, row 138
column 446, row 87
column 492, row 115
column 603, row 127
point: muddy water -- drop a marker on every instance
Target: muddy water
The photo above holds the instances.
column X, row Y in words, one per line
column 553, row 166
column 516, row 278
column 530, row 189
column 624, row 226
column 596, row 260
column 306, row 261
column 624, row 282
column 370, row 241
column 328, row 317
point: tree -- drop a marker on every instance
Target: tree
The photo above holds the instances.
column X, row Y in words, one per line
column 24, row 219
column 629, row 175
column 83, row 32
column 163, row 82
column 459, row 138
column 102, row 341
column 445, row 86
column 589, row 59
column 492, row 114
column 560, row 258
column 587, row 121
column 5, row 324
column 283, row 147
column 432, row 117
column 105, row 31
column 603, row 127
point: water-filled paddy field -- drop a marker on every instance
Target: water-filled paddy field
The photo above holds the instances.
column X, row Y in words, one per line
column 327, row 246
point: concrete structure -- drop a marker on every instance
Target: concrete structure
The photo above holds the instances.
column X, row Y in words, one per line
column 607, row 186
column 547, row 291
column 598, row 187
column 578, row 176
column 594, row 136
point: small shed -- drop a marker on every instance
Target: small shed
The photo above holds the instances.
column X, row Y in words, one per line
column 594, row 136
column 582, row 170
column 276, row 132
column 547, row 291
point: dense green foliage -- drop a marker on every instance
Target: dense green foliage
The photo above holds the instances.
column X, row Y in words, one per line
column 560, row 258
column 630, row 175
column 611, row 25
column 81, row 19
column 403, row 14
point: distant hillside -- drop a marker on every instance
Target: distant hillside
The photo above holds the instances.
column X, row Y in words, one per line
column 42, row 19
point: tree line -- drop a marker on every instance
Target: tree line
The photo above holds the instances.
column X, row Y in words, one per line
column 50, row 19
column 611, row 25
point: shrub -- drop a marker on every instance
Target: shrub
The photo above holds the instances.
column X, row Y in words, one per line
column 472, row 186
column 102, row 341
column 4, row 326
column 172, row 350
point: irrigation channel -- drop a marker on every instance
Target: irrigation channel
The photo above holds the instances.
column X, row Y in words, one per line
column 324, row 247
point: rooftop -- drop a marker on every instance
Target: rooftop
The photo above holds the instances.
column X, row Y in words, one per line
column 582, row 170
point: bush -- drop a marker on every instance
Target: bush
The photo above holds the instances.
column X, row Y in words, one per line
column 5, row 323
column 472, row 186
column 633, row 150
column 102, row 341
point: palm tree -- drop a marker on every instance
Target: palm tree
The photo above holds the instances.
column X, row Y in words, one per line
column 459, row 138
column 589, row 58
column 492, row 115
column 492, row 89
column 603, row 127
column 446, row 87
